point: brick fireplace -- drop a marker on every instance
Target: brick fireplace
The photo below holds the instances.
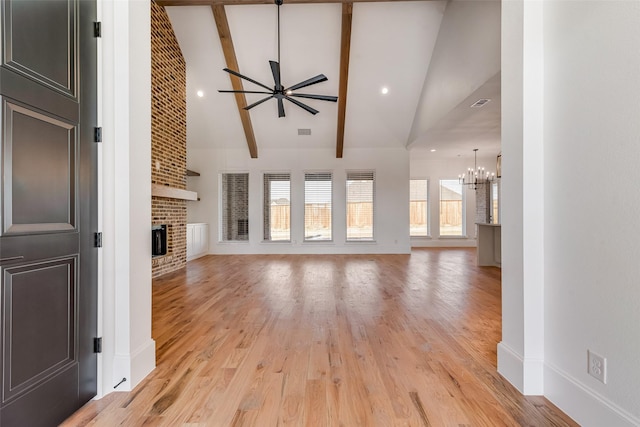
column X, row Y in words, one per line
column 168, row 139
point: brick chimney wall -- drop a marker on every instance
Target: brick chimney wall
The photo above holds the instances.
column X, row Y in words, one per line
column 168, row 138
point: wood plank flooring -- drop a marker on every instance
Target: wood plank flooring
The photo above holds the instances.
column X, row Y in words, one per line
column 326, row 340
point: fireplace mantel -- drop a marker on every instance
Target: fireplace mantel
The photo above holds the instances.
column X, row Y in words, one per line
column 172, row 193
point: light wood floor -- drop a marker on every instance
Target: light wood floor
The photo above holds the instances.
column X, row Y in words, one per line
column 326, row 340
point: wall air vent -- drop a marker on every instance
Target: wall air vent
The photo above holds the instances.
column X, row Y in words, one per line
column 480, row 103
column 304, row 131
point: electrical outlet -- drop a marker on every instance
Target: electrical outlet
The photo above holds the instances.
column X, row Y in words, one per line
column 597, row 366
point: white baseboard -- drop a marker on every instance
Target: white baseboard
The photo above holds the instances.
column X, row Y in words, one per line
column 525, row 374
column 134, row 366
column 586, row 407
column 533, row 370
column 143, row 361
column 511, row 366
column 444, row 243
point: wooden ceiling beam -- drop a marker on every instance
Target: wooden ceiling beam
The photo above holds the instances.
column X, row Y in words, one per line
column 345, row 49
column 224, row 33
column 241, row 2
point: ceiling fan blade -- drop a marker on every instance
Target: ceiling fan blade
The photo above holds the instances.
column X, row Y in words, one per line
column 304, row 106
column 313, row 80
column 275, row 70
column 320, row 97
column 248, row 107
column 237, row 74
column 243, row 91
column 280, row 108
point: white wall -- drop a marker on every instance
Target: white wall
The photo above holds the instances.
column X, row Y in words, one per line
column 592, row 278
column 521, row 351
column 423, row 165
column 125, row 199
column 570, row 248
column 391, row 167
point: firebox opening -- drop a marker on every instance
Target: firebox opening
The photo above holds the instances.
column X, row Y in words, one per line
column 158, row 240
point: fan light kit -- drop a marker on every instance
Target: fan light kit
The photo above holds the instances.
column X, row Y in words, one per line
column 279, row 92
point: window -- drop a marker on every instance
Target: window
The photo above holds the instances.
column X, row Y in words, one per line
column 451, row 208
column 317, row 206
column 418, row 208
column 277, row 207
column 360, row 207
column 495, row 203
column 234, row 194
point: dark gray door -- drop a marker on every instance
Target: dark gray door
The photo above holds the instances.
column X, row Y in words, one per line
column 48, row 210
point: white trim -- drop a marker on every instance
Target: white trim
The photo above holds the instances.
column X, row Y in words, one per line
column 510, row 365
column 133, row 366
column 436, row 242
column 582, row 404
column 533, row 376
column 526, row 374
column 346, row 207
column 427, row 209
column 125, row 182
column 143, row 361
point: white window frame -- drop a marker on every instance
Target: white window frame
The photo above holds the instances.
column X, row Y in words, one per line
column 222, row 205
column 305, row 238
column 495, row 195
column 427, row 209
column 363, row 174
column 463, row 234
column 266, row 231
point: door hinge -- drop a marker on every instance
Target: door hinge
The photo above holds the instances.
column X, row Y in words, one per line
column 97, row 242
column 97, row 345
column 97, row 134
column 97, row 29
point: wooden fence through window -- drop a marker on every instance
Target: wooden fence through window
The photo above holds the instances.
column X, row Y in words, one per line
column 360, row 214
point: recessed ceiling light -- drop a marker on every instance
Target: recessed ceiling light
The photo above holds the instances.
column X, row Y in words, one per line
column 433, row 150
column 384, row 90
column 200, row 93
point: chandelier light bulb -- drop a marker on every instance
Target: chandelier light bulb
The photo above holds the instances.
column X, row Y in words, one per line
column 476, row 176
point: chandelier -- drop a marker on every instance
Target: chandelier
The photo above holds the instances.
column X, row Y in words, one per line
column 476, row 176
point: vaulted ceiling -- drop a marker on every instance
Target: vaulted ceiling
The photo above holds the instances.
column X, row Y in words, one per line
column 435, row 57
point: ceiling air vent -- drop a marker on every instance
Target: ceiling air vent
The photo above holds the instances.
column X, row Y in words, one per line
column 304, row 131
column 480, row 103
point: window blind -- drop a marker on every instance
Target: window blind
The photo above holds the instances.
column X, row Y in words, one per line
column 418, row 208
column 318, row 195
column 360, row 205
column 277, row 207
column 451, row 208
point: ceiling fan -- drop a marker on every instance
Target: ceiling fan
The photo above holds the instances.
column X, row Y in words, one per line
column 279, row 92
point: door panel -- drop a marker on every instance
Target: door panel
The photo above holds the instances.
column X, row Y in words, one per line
column 42, row 201
column 39, row 305
column 29, row 25
column 61, row 388
column 48, row 210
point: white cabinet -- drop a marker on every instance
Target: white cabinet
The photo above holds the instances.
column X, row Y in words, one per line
column 197, row 240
